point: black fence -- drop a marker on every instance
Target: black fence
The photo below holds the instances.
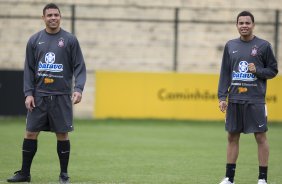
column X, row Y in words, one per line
column 177, row 19
column 11, row 93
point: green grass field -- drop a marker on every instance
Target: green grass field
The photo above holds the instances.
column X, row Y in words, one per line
column 140, row 152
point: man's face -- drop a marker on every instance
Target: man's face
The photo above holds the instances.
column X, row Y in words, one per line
column 245, row 26
column 52, row 19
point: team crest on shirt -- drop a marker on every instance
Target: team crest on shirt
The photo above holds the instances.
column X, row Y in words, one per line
column 254, row 51
column 61, row 42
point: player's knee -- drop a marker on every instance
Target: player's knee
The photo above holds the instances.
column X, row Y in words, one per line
column 62, row 136
column 261, row 138
column 233, row 138
column 31, row 135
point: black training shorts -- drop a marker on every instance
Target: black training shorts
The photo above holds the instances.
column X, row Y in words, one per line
column 51, row 113
column 246, row 118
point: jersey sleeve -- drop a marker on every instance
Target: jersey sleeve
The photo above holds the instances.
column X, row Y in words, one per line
column 79, row 66
column 29, row 70
column 270, row 68
column 225, row 77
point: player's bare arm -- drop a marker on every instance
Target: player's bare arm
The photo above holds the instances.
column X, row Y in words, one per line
column 29, row 103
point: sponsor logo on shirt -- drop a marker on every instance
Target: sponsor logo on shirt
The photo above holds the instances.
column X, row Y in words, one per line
column 48, row 81
column 50, row 64
column 242, row 90
column 242, row 75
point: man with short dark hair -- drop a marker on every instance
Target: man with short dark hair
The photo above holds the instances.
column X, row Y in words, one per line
column 53, row 58
column 247, row 63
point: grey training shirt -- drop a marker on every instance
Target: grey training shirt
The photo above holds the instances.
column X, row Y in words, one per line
column 51, row 62
column 236, row 81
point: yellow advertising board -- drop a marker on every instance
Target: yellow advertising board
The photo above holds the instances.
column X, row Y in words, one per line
column 167, row 96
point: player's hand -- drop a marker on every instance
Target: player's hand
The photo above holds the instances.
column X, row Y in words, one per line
column 76, row 97
column 252, row 67
column 29, row 103
column 223, row 106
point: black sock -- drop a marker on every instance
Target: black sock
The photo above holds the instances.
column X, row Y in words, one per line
column 230, row 172
column 63, row 150
column 29, row 149
column 262, row 173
